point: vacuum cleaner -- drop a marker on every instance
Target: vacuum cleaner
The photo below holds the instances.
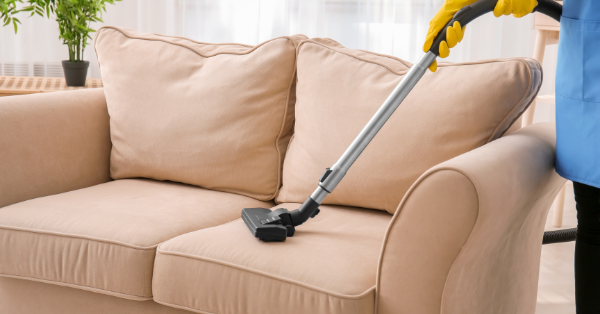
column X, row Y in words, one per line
column 279, row 224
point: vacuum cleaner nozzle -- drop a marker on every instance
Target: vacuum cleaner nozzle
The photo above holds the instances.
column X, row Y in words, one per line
column 268, row 225
column 279, row 224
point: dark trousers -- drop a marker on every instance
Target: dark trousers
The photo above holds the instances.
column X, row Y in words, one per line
column 587, row 249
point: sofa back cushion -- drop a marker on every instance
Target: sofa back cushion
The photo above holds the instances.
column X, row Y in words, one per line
column 460, row 107
column 218, row 116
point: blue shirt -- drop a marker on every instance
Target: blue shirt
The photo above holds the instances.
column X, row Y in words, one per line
column 578, row 93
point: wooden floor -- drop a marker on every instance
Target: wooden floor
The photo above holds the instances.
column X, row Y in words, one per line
column 556, row 291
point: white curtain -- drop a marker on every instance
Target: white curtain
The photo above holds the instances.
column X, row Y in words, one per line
column 395, row 27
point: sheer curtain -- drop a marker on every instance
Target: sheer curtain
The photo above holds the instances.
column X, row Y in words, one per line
column 395, row 27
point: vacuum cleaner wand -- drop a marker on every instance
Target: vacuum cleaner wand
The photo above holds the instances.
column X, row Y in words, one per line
column 279, row 224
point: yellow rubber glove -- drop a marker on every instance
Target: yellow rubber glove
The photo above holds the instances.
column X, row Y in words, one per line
column 454, row 33
column 518, row 8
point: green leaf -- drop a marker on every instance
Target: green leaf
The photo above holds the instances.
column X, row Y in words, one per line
column 73, row 17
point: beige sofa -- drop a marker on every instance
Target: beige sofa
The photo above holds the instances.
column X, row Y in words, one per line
column 109, row 206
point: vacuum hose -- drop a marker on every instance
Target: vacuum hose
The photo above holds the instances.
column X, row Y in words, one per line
column 560, row 236
column 471, row 12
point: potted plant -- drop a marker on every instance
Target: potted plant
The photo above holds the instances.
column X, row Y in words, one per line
column 73, row 17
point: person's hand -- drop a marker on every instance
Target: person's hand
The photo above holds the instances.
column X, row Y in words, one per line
column 455, row 33
column 518, row 8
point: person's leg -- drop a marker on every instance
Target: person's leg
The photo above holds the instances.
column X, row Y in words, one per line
column 587, row 249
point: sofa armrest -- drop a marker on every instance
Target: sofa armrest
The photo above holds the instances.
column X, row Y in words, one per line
column 467, row 236
column 52, row 143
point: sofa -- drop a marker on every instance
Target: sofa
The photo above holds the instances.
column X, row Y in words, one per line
column 127, row 199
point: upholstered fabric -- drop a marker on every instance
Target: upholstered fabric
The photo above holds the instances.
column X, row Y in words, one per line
column 338, row 91
column 29, row 297
column 219, row 116
column 467, row 237
column 329, row 266
column 103, row 238
column 52, row 143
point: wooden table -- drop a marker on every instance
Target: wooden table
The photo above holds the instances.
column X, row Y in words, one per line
column 21, row 85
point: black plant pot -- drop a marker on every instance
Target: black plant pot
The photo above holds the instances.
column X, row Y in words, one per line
column 75, row 72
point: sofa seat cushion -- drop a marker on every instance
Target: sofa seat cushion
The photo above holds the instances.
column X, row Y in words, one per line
column 329, row 266
column 103, row 238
